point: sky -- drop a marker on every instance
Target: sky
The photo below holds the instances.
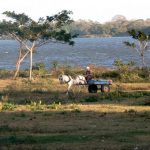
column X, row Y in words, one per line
column 96, row 10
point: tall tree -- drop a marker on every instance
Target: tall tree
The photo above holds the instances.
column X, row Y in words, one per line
column 140, row 44
column 33, row 34
column 11, row 29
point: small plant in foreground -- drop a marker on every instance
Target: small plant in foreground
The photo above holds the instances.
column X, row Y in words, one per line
column 73, row 106
column 130, row 111
column 55, row 106
column 8, row 106
column 37, row 105
column 91, row 99
column 76, row 111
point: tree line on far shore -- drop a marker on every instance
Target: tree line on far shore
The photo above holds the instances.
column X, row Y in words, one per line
column 118, row 26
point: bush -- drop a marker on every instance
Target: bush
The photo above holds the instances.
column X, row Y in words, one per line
column 111, row 74
column 98, row 71
column 36, row 105
column 4, row 74
column 55, row 106
column 55, row 65
column 91, row 99
column 24, row 74
column 130, row 77
column 8, row 106
column 68, row 70
column 39, row 70
column 39, row 66
column 127, row 72
column 144, row 72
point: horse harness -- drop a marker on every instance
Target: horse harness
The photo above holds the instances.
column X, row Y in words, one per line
column 69, row 79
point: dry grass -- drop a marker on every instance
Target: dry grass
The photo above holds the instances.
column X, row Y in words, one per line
column 5, row 83
column 35, row 122
column 92, row 126
column 132, row 86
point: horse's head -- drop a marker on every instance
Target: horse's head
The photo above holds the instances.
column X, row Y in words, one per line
column 64, row 79
column 61, row 79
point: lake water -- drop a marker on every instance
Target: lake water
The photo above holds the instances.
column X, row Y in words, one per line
column 97, row 51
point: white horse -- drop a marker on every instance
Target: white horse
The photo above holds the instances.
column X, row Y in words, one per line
column 79, row 80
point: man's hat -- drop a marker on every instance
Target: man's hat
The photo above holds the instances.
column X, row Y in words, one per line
column 87, row 67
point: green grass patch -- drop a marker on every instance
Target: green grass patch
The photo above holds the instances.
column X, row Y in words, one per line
column 91, row 99
column 31, row 139
column 8, row 106
column 117, row 95
column 5, row 128
column 125, row 137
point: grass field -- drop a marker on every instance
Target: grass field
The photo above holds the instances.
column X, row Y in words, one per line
column 38, row 115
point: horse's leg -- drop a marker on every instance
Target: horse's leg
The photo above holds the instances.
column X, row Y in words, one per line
column 69, row 87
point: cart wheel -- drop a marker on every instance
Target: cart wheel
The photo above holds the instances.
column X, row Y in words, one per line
column 92, row 88
column 105, row 88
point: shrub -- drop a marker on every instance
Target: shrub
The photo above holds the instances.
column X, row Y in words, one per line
column 24, row 73
column 98, row 71
column 111, row 74
column 76, row 111
column 39, row 69
column 55, row 65
column 144, row 72
column 8, row 106
column 91, row 99
column 55, row 106
column 128, row 72
column 39, row 66
column 37, row 105
column 130, row 77
column 68, row 70
column 4, row 74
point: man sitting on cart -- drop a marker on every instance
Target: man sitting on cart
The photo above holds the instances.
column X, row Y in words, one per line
column 88, row 75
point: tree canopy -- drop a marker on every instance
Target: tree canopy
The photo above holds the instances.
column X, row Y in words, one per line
column 32, row 34
column 140, row 44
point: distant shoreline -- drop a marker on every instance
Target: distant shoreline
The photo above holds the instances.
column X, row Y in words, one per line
column 80, row 36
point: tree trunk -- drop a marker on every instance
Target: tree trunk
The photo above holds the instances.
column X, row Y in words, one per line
column 31, row 61
column 143, row 61
column 143, row 47
column 18, row 62
column 30, row 69
column 20, row 59
column 17, row 69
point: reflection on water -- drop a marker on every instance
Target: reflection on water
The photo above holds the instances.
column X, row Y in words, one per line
column 98, row 51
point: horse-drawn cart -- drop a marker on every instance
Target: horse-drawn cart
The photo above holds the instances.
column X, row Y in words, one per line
column 93, row 85
column 102, row 85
